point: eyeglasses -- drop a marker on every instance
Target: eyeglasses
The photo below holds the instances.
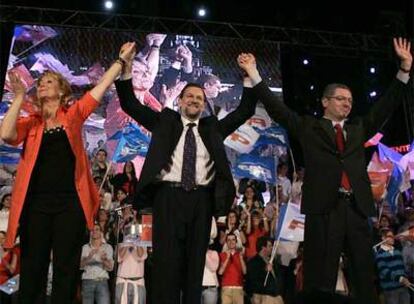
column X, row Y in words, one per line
column 341, row 98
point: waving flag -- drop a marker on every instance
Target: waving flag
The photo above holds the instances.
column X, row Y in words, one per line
column 393, row 189
column 386, row 153
column 252, row 166
column 243, row 139
column 260, row 119
column 131, row 143
column 396, row 182
column 293, row 226
column 407, row 161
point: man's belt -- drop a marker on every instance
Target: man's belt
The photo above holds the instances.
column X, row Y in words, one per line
column 180, row 185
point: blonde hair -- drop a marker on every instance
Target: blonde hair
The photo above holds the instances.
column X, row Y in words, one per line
column 64, row 86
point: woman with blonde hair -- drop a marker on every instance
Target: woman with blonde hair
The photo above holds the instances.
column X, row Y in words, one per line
column 54, row 195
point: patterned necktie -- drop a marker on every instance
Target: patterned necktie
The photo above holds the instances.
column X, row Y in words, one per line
column 340, row 144
column 189, row 159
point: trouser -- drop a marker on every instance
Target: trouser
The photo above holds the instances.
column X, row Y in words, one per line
column 397, row 296
column 232, row 295
column 95, row 291
column 343, row 229
column 63, row 233
column 265, row 299
column 181, row 231
column 209, row 295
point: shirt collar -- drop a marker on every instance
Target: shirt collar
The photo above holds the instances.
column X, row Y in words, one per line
column 334, row 123
column 186, row 121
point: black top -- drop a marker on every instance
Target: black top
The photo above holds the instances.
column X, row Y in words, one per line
column 53, row 177
column 256, row 275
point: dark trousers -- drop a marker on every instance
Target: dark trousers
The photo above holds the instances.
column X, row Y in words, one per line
column 181, row 231
column 343, row 229
column 40, row 232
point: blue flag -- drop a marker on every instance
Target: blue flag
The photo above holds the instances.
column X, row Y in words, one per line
column 256, row 167
column 272, row 141
column 393, row 189
column 131, row 143
column 386, row 153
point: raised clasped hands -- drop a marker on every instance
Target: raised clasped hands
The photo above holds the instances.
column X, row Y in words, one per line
column 247, row 62
column 127, row 52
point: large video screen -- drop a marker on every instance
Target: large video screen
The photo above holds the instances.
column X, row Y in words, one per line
column 163, row 65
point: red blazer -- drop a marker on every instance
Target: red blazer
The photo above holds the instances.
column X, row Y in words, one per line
column 30, row 131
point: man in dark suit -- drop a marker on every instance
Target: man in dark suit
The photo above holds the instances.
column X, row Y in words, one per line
column 337, row 198
column 186, row 177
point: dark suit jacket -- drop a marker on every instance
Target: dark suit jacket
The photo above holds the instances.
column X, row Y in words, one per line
column 323, row 163
column 166, row 127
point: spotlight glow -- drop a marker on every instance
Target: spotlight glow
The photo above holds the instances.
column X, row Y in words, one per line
column 202, row 12
column 109, row 4
column 305, row 61
column 373, row 94
column 372, row 70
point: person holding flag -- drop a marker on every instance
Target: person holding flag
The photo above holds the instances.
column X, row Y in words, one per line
column 336, row 198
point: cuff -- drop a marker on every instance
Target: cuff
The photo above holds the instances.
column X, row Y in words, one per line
column 403, row 76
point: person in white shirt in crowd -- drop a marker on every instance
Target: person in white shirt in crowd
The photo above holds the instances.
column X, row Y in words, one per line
column 96, row 261
column 130, row 284
column 283, row 180
column 209, row 294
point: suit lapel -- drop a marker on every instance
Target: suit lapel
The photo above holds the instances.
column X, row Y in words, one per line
column 350, row 136
column 327, row 131
column 177, row 131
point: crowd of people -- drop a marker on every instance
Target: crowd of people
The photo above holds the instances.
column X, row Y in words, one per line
column 237, row 260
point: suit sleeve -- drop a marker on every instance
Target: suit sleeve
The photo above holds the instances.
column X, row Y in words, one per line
column 244, row 111
column 133, row 107
column 381, row 111
column 277, row 109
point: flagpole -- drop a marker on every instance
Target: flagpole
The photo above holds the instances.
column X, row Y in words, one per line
column 106, row 175
column 277, row 242
column 293, row 161
column 401, row 234
column 275, row 245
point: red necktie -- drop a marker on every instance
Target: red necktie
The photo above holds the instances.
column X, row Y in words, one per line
column 340, row 144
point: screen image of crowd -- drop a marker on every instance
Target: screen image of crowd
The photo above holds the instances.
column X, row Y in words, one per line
column 116, row 256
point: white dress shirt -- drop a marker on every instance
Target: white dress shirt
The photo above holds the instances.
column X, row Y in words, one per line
column 204, row 164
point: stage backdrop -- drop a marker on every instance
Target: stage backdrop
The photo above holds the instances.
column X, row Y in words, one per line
column 163, row 65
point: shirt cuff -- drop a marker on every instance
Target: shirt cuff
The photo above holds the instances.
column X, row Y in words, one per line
column 403, row 77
